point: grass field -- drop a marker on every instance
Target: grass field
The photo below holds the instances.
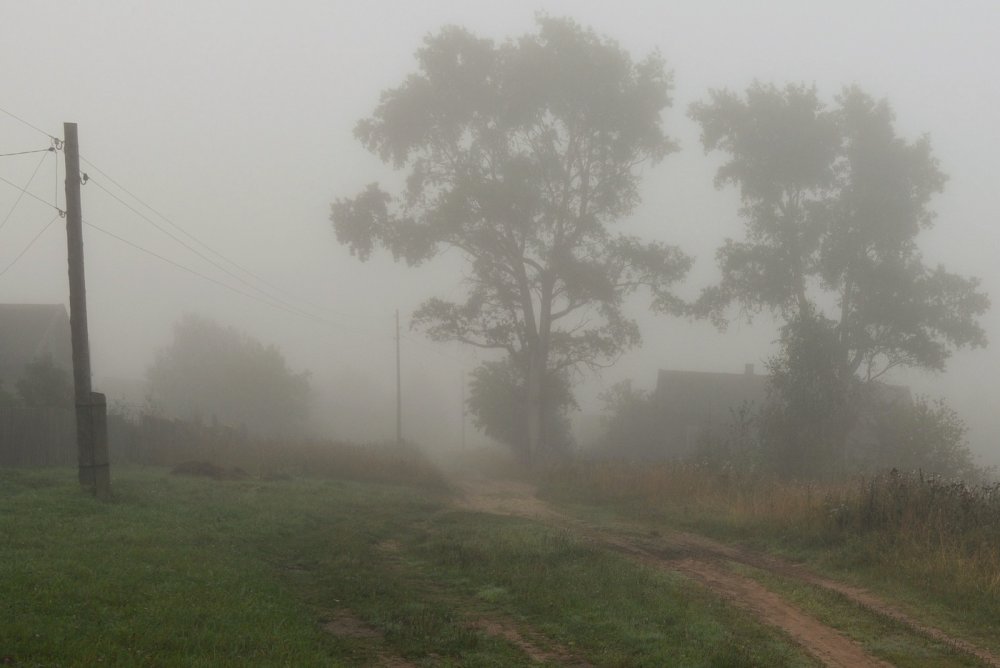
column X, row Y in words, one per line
column 319, row 571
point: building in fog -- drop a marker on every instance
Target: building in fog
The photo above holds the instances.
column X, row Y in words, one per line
column 694, row 406
column 31, row 331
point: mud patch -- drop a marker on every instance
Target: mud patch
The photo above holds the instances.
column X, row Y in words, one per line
column 535, row 648
column 345, row 624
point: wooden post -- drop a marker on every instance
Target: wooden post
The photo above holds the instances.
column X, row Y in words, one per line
column 461, row 384
column 91, row 410
column 399, row 390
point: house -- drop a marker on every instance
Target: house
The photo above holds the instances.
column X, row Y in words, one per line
column 693, row 405
column 29, row 331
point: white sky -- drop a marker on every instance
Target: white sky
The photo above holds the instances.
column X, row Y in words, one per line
column 235, row 120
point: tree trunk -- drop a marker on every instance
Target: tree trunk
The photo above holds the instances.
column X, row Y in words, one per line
column 533, row 407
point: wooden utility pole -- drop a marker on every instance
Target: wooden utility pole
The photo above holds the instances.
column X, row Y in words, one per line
column 91, row 408
column 461, row 384
column 399, row 390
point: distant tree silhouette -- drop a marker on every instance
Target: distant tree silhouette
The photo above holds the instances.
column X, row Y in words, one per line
column 214, row 372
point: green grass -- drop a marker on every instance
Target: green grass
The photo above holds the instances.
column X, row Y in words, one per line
column 195, row 572
column 161, row 576
column 613, row 611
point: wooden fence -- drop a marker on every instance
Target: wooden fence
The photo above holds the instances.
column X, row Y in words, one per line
column 37, row 437
column 47, row 437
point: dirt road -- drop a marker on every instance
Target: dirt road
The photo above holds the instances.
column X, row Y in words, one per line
column 704, row 560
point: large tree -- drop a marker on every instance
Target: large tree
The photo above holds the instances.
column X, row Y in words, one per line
column 215, row 372
column 833, row 201
column 520, row 156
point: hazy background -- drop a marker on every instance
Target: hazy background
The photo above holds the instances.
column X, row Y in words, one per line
column 235, row 120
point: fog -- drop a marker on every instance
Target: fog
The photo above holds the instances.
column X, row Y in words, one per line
column 235, row 121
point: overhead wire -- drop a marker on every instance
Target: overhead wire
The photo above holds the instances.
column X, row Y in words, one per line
column 40, row 150
column 23, row 190
column 274, row 288
column 179, row 240
column 264, row 300
column 280, row 305
column 272, row 297
column 30, row 244
column 262, row 297
column 24, row 122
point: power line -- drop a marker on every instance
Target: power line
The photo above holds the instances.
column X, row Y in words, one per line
column 30, row 244
column 183, row 231
column 268, row 299
column 275, row 289
column 179, row 240
column 287, row 308
column 24, row 191
column 272, row 299
column 186, row 268
column 33, row 127
column 40, row 150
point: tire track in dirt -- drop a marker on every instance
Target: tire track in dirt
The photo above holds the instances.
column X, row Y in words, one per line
column 531, row 646
column 701, row 559
column 343, row 623
column 708, row 548
column 534, row 645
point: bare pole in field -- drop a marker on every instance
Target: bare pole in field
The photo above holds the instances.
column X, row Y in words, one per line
column 399, row 390
column 461, row 384
column 91, row 409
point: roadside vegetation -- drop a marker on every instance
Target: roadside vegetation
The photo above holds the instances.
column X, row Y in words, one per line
column 931, row 543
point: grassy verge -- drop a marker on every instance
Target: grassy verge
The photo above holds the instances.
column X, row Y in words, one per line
column 932, row 546
column 198, row 572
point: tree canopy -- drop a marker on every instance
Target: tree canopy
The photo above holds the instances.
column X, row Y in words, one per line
column 210, row 371
column 520, row 156
column 833, row 200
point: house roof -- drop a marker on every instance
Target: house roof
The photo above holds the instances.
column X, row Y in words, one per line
column 30, row 330
column 709, row 395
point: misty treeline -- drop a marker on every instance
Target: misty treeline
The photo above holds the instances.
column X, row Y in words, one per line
column 211, row 373
column 523, row 155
